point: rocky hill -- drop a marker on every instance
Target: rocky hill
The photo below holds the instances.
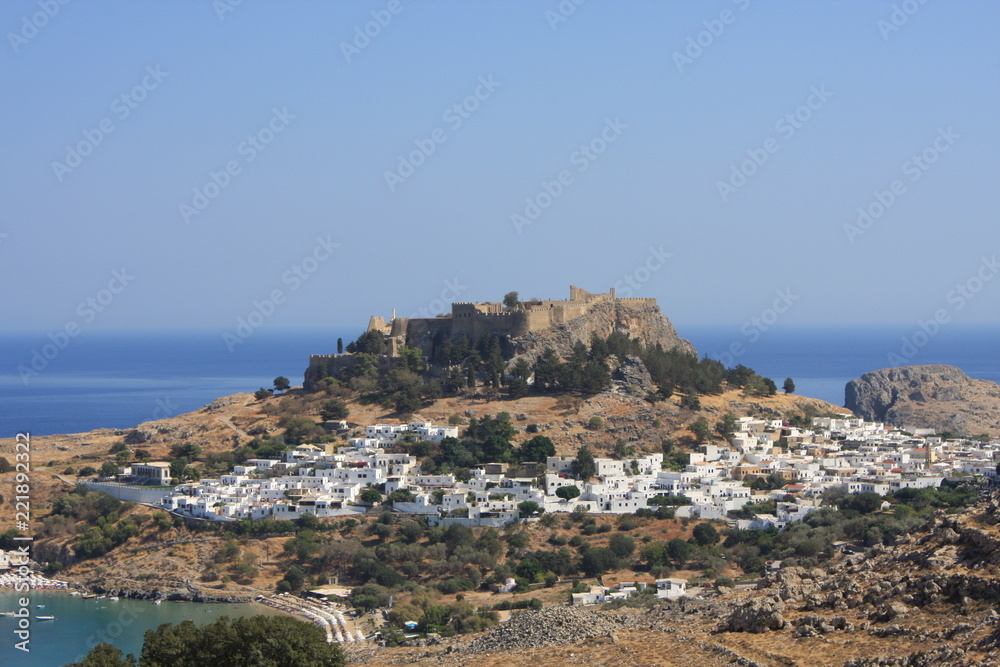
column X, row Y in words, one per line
column 639, row 320
column 927, row 600
column 939, row 397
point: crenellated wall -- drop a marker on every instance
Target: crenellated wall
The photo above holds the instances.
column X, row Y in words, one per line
column 528, row 320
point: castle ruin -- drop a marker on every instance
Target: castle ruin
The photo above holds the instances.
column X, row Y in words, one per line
column 526, row 328
column 476, row 320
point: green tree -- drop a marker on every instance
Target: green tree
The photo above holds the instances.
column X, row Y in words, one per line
column 690, row 400
column 186, row 450
column 434, row 618
column 584, row 467
column 299, row 429
column 108, row 469
column 262, row 393
column 370, row 596
column 517, row 388
column 528, row 508
column 412, row 359
column 370, row 496
column 262, row 641
column 705, row 534
column 598, row 561
column 537, row 449
column 510, row 299
column 568, row 492
column 789, row 386
column 725, row 426
column 622, row 545
column 370, row 342
column 701, row 430
column 104, row 655
column 411, row 531
column 863, row 503
column 679, row 551
column 402, row 496
column 334, row 410
column 294, row 578
column 5, row 465
column 739, row 376
column 340, row 346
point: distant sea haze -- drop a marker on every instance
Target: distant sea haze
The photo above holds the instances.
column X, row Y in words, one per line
column 117, row 380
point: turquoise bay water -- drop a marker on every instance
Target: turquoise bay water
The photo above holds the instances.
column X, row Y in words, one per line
column 81, row 624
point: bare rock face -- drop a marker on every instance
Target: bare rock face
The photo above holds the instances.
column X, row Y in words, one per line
column 758, row 615
column 639, row 320
column 139, row 436
column 937, row 396
column 634, row 377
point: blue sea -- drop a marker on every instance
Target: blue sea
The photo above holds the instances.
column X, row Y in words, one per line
column 117, row 380
column 821, row 360
column 81, row 624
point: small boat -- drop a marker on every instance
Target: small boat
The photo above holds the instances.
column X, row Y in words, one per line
column 101, row 597
column 74, row 593
column 6, row 613
column 113, row 598
column 89, row 596
column 40, row 606
column 157, row 601
column 45, row 618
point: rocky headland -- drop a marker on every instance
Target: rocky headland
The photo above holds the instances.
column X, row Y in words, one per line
column 937, row 397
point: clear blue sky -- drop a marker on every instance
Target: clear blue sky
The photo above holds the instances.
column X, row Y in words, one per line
column 209, row 79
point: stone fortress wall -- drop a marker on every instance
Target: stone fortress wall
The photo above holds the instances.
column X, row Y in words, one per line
column 528, row 327
column 476, row 320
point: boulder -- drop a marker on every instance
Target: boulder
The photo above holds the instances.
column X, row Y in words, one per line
column 634, row 377
column 759, row 615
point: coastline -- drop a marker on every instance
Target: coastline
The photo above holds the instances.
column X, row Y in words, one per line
column 284, row 604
